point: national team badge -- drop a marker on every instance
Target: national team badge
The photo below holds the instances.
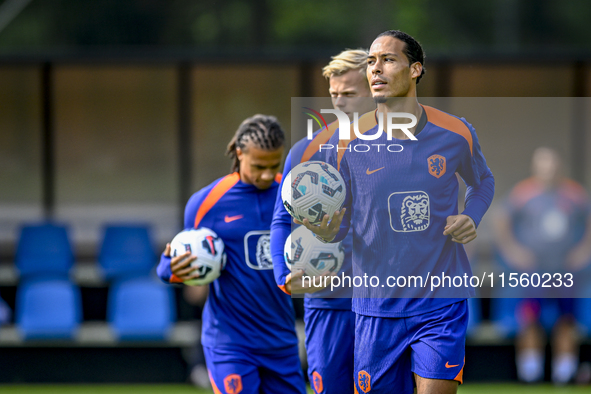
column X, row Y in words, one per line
column 364, row 381
column 233, row 383
column 409, row 211
column 257, row 250
column 436, row 165
column 317, row 381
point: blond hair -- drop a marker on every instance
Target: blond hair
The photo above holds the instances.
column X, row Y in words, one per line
column 349, row 59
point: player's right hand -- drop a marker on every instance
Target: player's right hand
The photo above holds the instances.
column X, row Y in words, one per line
column 294, row 283
column 325, row 230
column 181, row 265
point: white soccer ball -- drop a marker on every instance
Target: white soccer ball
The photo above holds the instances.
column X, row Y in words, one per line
column 209, row 249
column 313, row 189
column 304, row 251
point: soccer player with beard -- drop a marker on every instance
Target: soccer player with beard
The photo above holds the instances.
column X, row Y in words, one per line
column 329, row 322
column 402, row 206
column 248, row 331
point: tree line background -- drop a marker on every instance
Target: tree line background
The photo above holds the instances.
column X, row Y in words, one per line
column 444, row 27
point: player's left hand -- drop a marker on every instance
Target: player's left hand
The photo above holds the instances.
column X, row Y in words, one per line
column 461, row 228
column 180, row 265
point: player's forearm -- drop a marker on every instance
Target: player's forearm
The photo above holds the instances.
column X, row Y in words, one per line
column 479, row 198
column 280, row 230
column 279, row 234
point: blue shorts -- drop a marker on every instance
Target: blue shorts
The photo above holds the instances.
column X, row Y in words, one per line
column 233, row 371
column 389, row 350
column 330, row 343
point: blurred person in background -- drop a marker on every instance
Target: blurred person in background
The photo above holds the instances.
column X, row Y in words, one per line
column 248, row 329
column 330, row 357
column 545, row 228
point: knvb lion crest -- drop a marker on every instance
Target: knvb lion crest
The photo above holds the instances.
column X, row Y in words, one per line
column 317, row 382
column 257, row 250
column 414, row 214
column 233, row 384
column 409, row 211
column 364, row 381
column 264, row 258
column 436, row 165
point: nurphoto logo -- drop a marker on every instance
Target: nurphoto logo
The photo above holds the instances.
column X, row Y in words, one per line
column 345, row 124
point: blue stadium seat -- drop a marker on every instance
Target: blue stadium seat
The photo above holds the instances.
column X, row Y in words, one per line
column 126, row 252
column 44, row 250
column 141, row 309
column 48, row 309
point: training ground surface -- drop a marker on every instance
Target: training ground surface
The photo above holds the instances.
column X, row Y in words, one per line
column 182, row 389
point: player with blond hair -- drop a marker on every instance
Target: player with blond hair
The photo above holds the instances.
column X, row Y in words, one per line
column 329, row 322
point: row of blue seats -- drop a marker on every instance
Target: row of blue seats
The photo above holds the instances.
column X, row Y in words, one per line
column 139, row 306
column 137, row 309
column 45, row 249
column 48, row 304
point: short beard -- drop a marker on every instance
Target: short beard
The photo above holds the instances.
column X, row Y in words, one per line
column 380, row 99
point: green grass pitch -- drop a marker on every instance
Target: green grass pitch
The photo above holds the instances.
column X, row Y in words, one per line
column 481, row 388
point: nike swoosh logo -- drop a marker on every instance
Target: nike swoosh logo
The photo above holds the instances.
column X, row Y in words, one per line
column 368, row 172
column 229, row 219
column 451, row 366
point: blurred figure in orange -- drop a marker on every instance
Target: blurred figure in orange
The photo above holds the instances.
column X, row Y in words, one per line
column 545, row 228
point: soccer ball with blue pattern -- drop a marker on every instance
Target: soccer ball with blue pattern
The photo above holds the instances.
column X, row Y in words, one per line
column 304, row 251
column 209, row 249
column 313, row 189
